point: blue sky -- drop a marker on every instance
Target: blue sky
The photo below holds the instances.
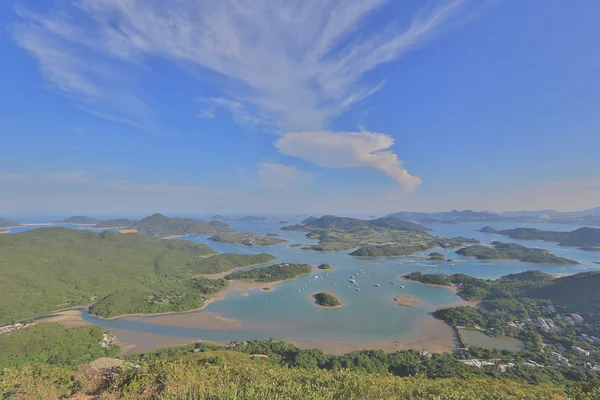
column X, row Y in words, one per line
column 353, row 106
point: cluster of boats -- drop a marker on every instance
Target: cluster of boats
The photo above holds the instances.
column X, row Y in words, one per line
column 353, row 281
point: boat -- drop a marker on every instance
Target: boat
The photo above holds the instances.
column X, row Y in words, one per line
column 348, row 287
column 378, row 285
column 358, row 289
column 401, row 286
column 392, row 282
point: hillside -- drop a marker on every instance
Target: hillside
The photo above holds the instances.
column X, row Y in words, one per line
column 514, row 251
column 79, row 220
column 407, row 246
column 52, row 268
column 583, row 237
column 246, row 239
column 234, row 375
column 48, row 343
column 451, row 217
column 6, row 223
column 273, row 273
column 253, row 218
column 159, row 225
column 115, row 223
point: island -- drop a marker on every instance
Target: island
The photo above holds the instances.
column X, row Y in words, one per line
column 327, row 300
column 79, row 220
column 252, row 218
column 325, row 266
column 284, row 222
column 7, row 223
column 246, row 239
column 272, row 234
column 585, row 238
column 596, row 262
column 381, row 237
column 114, row 273
column 514, row 251
column 273, row 273
column 162, row 226
column 435, row 256
column 407, row 301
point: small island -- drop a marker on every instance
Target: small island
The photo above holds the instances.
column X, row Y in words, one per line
column 514, row 251
column 325, row 266
column 327, row 300
column 435, row 256
column 406, row 301
column 246, row 239
column 273, row 273
column 284, row 222
column 252, row 218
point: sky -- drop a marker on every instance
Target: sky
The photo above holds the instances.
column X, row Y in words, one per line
column 129, row 107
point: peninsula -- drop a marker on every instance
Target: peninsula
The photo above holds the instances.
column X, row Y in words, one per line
column 122, row 274
column 514, row 251
column 7, row 223
column 585, row 238
column 273, row 273
column 246, row 239
column 160, row 226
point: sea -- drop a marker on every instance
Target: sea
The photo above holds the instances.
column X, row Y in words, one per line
column 369, row 315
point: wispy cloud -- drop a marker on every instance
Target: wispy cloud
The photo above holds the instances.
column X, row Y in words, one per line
column 290, row 66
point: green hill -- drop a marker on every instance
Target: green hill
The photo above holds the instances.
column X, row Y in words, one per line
column 5, row 223
column 52, row 268
column 583, row 237
column 115, row 223
column 78, row 219
column 230, row 375
column 48, row 343
column 513, row 251
column 159, row 225
column 273, row 273
column 350, row 224
column 246, row 239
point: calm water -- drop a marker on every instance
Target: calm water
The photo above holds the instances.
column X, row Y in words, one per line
column 479, row 339
column 368, row 315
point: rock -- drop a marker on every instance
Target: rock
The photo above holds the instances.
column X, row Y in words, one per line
column 99, row 373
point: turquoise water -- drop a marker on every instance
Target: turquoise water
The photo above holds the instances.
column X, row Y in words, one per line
column 479, row 339
column 368, row 315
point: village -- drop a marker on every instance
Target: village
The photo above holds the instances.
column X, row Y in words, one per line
column 14, row 327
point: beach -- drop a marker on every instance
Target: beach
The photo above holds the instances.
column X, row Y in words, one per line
column 68, row 318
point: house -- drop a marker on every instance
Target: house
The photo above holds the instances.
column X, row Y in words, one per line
column 577, row 318
column 580, row 352
column 559, row 357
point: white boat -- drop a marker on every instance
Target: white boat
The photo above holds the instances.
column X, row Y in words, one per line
column 348, row 287
column 316, row 277
column 392, row 282
column 378, row 285
column 358, row 289
column 401, row 286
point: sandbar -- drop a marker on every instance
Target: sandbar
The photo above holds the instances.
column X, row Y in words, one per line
column 1, row 232
column 68, row 318
column 132, row 342
column 203, row 320
column 407, row 301
column 128, row 231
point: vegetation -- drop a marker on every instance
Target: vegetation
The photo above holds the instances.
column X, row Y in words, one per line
column 410, row 244
column 273, row 273
column 246, row 239
column 160, row 298
column 53, row 268
column 234, row 375
column 325, row 299
column 435, row 256
column 48, row 343
column 220, row 263
column 583, row 237
column 325, row 266
column 159, row 225
column 115, row 223
column 7, row 223
column 514, row 251
column 80, row 220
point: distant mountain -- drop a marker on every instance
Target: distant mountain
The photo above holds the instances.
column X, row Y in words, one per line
column 513, row 251
column 80, row 220
column 160, row 225
column 252, row 218
column 308, row 220
column 451, row 217
column 587, row 238
column 5, row 223
column 219, row 217
column 349, row 224
column 115, row 223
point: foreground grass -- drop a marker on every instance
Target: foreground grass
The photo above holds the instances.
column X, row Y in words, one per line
column 230, row 375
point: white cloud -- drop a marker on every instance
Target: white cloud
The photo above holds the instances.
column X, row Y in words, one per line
column 280, row 176
column 295, row 65
column 347, row 149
